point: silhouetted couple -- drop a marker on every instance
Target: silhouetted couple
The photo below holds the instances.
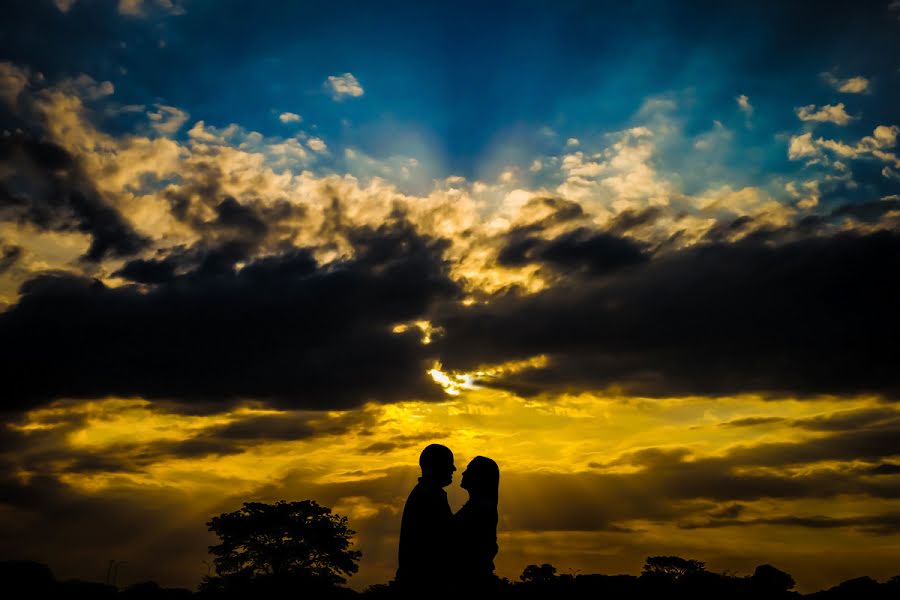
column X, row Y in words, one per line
column 441, row 551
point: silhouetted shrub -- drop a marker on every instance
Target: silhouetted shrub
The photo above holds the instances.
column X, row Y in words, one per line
column 538, row 574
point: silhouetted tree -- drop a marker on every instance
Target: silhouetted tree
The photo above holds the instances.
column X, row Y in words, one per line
column 768, row 579
column 538, row 574
column 26, row 577
column 296, row 541
column 674, row 567
column 859, row 587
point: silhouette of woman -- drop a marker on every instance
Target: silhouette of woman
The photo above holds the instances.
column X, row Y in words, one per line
column 475, row 525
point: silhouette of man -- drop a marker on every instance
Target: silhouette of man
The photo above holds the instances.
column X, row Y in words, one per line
column 424, row 555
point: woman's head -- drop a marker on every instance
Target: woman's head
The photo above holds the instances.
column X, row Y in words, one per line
column 481, row 477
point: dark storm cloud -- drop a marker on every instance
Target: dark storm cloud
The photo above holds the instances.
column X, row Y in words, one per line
column 728, row 512
column 866, row 211
column 43, row 185
column 230, row 213
column 630, row 220
column 250, row 431
column 722, row 230
column 862, row 444
column 47, row 449
column 716, row 479
column 281, row 329
column 846, row 420
column 885, row 469
column 272, row 427
column 578, row 250
column 876, row 442
column 200, row 193
column 150, row 271
column 204, row 260
column 775, row 313
column 9, row 256
column 237, row 231
column 402, row 441
column 751, row 421
column 849, row 420
column 882, row 524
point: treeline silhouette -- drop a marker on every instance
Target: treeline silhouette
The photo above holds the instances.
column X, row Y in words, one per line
column 302, row 550
column 29, row 579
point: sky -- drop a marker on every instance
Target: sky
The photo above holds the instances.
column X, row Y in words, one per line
column 643, row 255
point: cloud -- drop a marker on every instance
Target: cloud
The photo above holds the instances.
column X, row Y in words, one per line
column 826, row 114
column 716, row 318
column 866, row 444
column 752, row 421
column 167, row 120
column 9, row 255
column 45, row 186
column 743, row 103
column 130, row 7
column 716, row 138
column 578, row 250
column 64, row 5
column 289, row 117
column 849, row 420
column 402, row 441
column 316, row 144
column 13, row 82
column 621, row 177
column 800, row 146
column 883, row 138
column 881, row 524
column 140, row 8
column 308, row 335
column 671, row 485
column 852, row 85
column 86, row 87
column 243, row 433
column 72, row 515
column 345, row 85
column 618, row 245
column 199, row 133
column 869, row 212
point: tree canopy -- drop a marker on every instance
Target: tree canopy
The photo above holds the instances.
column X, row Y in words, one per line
column 284, row 540
column 672, row 566
column 538, row 574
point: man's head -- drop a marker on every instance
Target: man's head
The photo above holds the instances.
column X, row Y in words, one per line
column 437, row 464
